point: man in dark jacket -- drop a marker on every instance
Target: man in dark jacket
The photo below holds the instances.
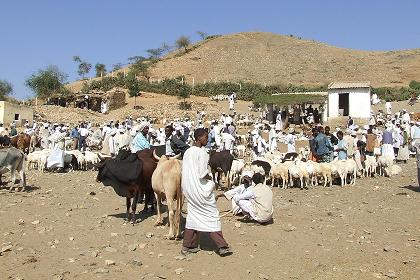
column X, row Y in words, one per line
column 174, row 145
column 323, row 146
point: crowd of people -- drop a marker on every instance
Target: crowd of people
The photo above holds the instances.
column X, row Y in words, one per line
column 393, row 134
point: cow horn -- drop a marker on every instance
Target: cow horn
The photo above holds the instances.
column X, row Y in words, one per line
column 176, row 156
column 155, row 156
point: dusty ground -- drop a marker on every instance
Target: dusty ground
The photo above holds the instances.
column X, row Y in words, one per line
column 67, row 226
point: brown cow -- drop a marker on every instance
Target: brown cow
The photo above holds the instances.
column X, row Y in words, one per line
column 21, row 141
column 166, row 183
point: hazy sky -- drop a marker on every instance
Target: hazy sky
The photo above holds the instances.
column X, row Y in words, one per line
column 35, row 34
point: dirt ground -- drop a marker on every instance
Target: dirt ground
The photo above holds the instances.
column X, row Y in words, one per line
column 68, row 227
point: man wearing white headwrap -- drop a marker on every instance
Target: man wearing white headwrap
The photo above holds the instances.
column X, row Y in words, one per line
column 108, row 145
column 140, row 141
column 121, row 139
column 56, row 158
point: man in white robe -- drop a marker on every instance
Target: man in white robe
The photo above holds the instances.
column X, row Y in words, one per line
column 198, row 189
column 279, row 122
column 272, row 139
column 290, row 141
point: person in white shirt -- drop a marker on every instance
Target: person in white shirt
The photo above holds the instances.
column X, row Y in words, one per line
column 279, row 122
column 239, row 190
column 228, row 140
column 272, row 139
column 106, row 130
column 256, row 202
column 232, row 101
column 406, row 116
column 198, row 189
column 290, row 141
column 84, row 132
column 388, row 108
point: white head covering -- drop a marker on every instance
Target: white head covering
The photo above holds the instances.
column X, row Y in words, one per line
column 142, row 125
column 248, row 173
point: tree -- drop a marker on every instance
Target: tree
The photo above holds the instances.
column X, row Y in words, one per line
column 203, row 35
column 100, row 70
column 166, row 47
column 155, row 53
column 83, row 68
column 6, row 89
column 183, row 42
column 141, row 68
column 136, row 58
column 133, row 87
column 47, row 82
column 116, row 66
column 183, row 93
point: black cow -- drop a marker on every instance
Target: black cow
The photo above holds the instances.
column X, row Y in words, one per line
column 220, row 162
column 130, row 176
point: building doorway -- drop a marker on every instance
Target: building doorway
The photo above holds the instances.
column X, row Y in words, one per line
column 343, row 104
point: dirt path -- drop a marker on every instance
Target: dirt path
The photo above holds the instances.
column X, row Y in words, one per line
column 69, row 226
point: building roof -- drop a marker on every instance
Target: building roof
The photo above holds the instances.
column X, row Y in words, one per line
column 291, row 99
column 306, row 93
column 338, row 85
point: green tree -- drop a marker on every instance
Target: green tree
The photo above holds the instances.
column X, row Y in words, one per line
column 136, row 58
column 47, row 82
column 133, row 86
column 6, row 89
column 117, row 66
column 203, row 35
column 83, row 68
column 100, row 70
column 141, row 68
column 166, row 47
column 155, row 53
column 183, row 42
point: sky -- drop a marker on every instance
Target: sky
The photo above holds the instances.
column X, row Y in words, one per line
column 35, row 34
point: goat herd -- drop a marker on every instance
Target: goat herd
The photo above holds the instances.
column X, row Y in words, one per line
column 295, row 169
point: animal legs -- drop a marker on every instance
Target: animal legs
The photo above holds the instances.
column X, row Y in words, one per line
column 171, row 217
column 159, row 219
column 128, row 204
column 134, row 207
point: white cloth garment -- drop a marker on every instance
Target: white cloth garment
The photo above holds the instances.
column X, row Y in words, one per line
column 201, row 203
column 290, row 140
column 279, row 122
column 231, row 193
column 272, row 140
column 228, row 141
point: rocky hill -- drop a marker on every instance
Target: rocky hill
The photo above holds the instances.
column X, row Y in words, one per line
column 268, row 58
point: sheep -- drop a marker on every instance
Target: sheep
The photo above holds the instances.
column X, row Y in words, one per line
column 33, row 159
column 241, row 150
column 393, row 170
column 370, row 166
column 384, row 162
column 351, row 170
column 325, row 172
column 338, row 169
column 91, row 158
column 236, row 169
column 280, row 171
column 298, row 171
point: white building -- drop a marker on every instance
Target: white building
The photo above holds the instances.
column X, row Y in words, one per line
column 349, row 99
